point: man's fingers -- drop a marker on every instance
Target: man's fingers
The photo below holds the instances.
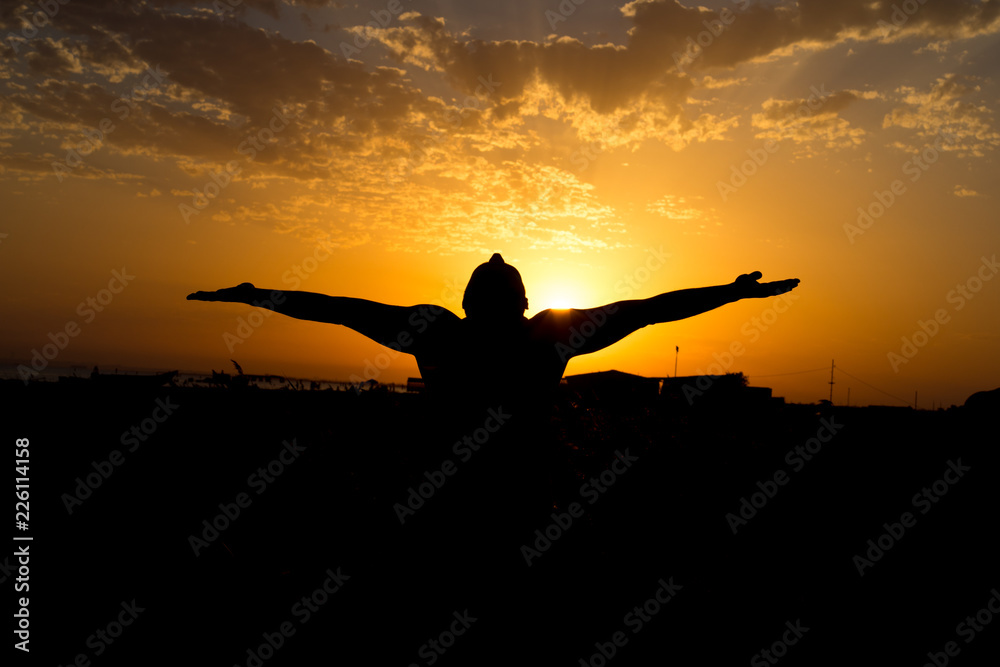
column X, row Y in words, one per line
column 227, row 294
column 782, row 286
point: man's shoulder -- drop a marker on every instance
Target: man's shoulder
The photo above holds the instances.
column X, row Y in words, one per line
column 551, row 316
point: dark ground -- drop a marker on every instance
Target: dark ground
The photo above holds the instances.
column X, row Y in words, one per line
column 663, row 518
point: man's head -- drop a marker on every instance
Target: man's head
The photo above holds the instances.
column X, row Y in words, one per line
column 495, row 291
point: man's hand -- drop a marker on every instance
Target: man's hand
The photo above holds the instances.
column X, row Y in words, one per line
column 747, row 286
column 239, row 294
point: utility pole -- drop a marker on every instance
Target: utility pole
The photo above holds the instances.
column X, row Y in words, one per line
column 677, row 350
column 831, row 382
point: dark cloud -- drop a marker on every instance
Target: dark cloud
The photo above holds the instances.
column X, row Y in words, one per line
column 606, row 77
column 220, row 80
column 733, row 36
column 793, row 110
column 948, row 109
column 51, row 58
column 667, row 40
column 223, row 78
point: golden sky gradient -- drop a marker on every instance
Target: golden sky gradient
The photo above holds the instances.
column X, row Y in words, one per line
column 383, row 150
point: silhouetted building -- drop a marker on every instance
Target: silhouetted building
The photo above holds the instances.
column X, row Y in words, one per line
column 614, row 384
column 686, row 390
column 716, row 389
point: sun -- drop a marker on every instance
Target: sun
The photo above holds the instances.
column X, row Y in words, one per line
column 561, row 303
column 556, row 296
column 561, row 285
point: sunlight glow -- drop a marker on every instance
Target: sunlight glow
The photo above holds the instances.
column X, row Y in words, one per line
column 598, row 167
column 557, row 296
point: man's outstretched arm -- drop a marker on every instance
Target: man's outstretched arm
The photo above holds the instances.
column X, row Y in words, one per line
column 684, row 303
column 382, row 323
column 611, row 323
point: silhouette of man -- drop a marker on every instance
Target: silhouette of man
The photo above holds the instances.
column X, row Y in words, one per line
column 494, row 358
column 495, row 349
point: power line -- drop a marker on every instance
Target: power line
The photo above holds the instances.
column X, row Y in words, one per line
column 816, row 370
column 839, row 368
column 902, row 400
column 774, row 375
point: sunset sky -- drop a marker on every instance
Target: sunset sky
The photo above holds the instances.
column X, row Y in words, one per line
column 383, row 150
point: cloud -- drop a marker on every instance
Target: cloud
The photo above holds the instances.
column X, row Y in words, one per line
column 218, row 81
column 962, row 191
column 747, row 32
column 609, row 76
column 709, row 82
column 455, row 206
column 372, row 144
column 948, row 108
column 650, row 79
column 814, row 119
column 674, row 207
column 52, row 58
column 679, row 210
